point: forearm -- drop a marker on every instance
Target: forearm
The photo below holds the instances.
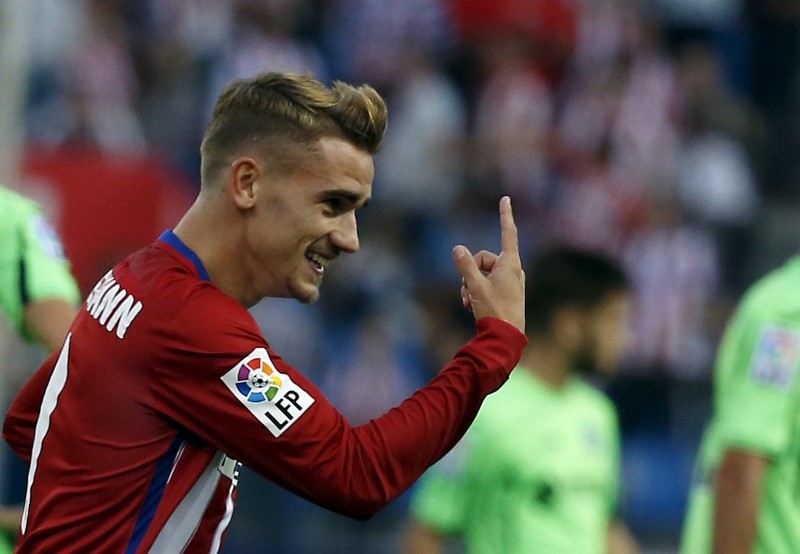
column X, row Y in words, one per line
column 737, row 502
column 10, row 516
column 357, row 471
column 620, row 540
column 420, row 539
column 49, row 321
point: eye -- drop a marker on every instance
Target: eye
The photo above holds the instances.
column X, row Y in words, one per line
column 335, row 205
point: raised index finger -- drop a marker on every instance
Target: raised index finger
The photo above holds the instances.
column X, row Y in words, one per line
column 509, row 239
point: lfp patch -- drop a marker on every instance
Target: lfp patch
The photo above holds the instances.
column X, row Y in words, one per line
column 777, row 355
column 271, row 396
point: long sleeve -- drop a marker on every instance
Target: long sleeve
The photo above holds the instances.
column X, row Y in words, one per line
column 320, row 456
column 20, row 421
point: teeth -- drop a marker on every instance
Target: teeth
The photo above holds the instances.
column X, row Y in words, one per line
column 317, row 259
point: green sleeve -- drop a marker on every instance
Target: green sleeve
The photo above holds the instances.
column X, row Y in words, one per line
column 615, row 483
column 32, row 265
column 6, row 544
column 439, row 499
column 759, row 362
column 47, row 270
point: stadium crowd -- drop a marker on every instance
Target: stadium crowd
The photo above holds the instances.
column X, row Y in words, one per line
column 655, row 131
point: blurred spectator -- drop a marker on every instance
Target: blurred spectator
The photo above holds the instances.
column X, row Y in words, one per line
column 49, row 113
column 101, row 85
column 716, row 180
column 420, row 168
column 363, row 39
column 376, row 368
column 600, row 33
column 512, row 124
column 644, row 138
column 550, row 26
column 306, row 349
column 674, row 267
column 597, row 205
column 264, row 38
column 175, row 52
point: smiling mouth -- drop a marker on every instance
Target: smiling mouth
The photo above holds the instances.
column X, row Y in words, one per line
column 317, row 261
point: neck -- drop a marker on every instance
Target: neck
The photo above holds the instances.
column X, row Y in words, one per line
column 547, row 362
column 211, row 234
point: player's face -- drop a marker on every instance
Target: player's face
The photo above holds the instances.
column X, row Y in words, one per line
column 607, row 335
column 306, row 216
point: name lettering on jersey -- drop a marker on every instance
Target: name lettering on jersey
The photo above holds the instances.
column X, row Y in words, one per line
column 112, row 306
column 776, row 357
column 271, row 396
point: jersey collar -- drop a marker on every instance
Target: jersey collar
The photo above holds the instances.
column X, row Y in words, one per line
column 172, row 239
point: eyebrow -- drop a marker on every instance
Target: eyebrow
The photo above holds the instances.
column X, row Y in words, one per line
column 348, row 195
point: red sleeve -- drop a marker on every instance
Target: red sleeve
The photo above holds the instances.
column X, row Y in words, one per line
column 351, row 470
column 366, row 467
column 20, row 422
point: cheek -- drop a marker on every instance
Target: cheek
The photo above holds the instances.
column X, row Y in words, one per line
column 612, row 345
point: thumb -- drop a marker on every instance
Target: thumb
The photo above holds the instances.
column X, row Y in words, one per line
column 467, row 266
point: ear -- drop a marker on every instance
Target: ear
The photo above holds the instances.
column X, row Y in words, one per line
column 244, row 174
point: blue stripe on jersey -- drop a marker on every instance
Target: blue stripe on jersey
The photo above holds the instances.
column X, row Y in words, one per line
column 154, row 494
column 172, row 239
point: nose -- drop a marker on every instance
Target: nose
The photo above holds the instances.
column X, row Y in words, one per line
column 345, row 236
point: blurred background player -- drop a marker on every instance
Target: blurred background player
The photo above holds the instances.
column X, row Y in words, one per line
column 38, row 295
column 745, row 492
column 539, row 469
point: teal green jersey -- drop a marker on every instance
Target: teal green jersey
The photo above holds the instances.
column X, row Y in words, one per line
column 757, row 409
column 6, row 544
column 536, row 472
column 32, row 262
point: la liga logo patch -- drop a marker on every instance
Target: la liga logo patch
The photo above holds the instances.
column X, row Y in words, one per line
column 777, row 355
column 271, row 396
column 257, row 381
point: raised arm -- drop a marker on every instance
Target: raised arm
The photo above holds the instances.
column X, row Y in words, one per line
column 300, row 441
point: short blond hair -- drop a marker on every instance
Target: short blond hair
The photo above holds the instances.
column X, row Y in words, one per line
column 294, row 109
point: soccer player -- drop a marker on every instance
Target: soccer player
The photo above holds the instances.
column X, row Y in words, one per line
column 538, row 471
column 745, row 495
column 38, row 294
column 135, row 429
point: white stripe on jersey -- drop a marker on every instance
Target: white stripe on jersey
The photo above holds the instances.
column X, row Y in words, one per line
column 54, row 387
column 182, row 524
column 226, row 519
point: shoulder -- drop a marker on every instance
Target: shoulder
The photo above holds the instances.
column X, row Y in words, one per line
column 519, row 387
column 21, row 215
column 776, row 294
column 519, row 399
column 16, row 203
column 595, row 400
column 765, row 327
column 174, row 300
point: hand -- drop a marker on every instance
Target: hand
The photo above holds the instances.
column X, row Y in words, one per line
column 494, row 285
